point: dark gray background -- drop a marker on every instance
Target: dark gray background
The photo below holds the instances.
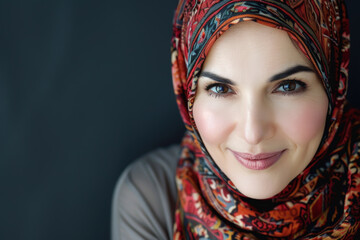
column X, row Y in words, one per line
column 85, row 88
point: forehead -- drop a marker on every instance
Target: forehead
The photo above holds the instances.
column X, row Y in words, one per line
column 249, row 45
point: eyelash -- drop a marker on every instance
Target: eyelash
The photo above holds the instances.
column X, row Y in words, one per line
column 299, row 88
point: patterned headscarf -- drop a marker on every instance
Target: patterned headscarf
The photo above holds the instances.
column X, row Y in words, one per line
column 323, row 201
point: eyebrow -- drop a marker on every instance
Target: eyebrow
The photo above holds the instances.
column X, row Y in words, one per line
column 216, row 78
column 288, row 72
column 291, row 71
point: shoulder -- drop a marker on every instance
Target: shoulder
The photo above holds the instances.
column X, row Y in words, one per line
column 145, row 197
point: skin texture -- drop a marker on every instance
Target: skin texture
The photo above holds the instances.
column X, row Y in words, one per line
column 254, row 113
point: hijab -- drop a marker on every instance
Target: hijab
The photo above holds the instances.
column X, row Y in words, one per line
column 323, row 201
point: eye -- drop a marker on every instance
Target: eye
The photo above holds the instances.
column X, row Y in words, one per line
column 218, row 89
column 290, row 87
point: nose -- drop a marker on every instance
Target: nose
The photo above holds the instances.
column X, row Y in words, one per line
column 258, row 123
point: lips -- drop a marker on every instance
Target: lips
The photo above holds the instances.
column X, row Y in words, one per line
column 259, row 161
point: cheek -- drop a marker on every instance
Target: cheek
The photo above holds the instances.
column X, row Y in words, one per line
column 305, row 122
column 213, row 123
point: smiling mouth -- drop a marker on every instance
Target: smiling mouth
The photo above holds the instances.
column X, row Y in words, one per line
column 259, row 161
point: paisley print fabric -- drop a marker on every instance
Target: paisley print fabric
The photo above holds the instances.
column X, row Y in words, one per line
column 322, row 202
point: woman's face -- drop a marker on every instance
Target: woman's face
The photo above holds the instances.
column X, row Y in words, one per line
column 260, row 108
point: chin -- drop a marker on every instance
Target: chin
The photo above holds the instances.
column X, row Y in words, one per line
column 259, row 195
column 260, row 188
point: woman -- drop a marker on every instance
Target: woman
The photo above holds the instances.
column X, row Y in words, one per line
column 272, row 146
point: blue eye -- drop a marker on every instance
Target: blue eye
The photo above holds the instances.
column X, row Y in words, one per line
column 290, row 87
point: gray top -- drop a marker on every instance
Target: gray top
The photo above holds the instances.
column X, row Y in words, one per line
column 144, row 199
